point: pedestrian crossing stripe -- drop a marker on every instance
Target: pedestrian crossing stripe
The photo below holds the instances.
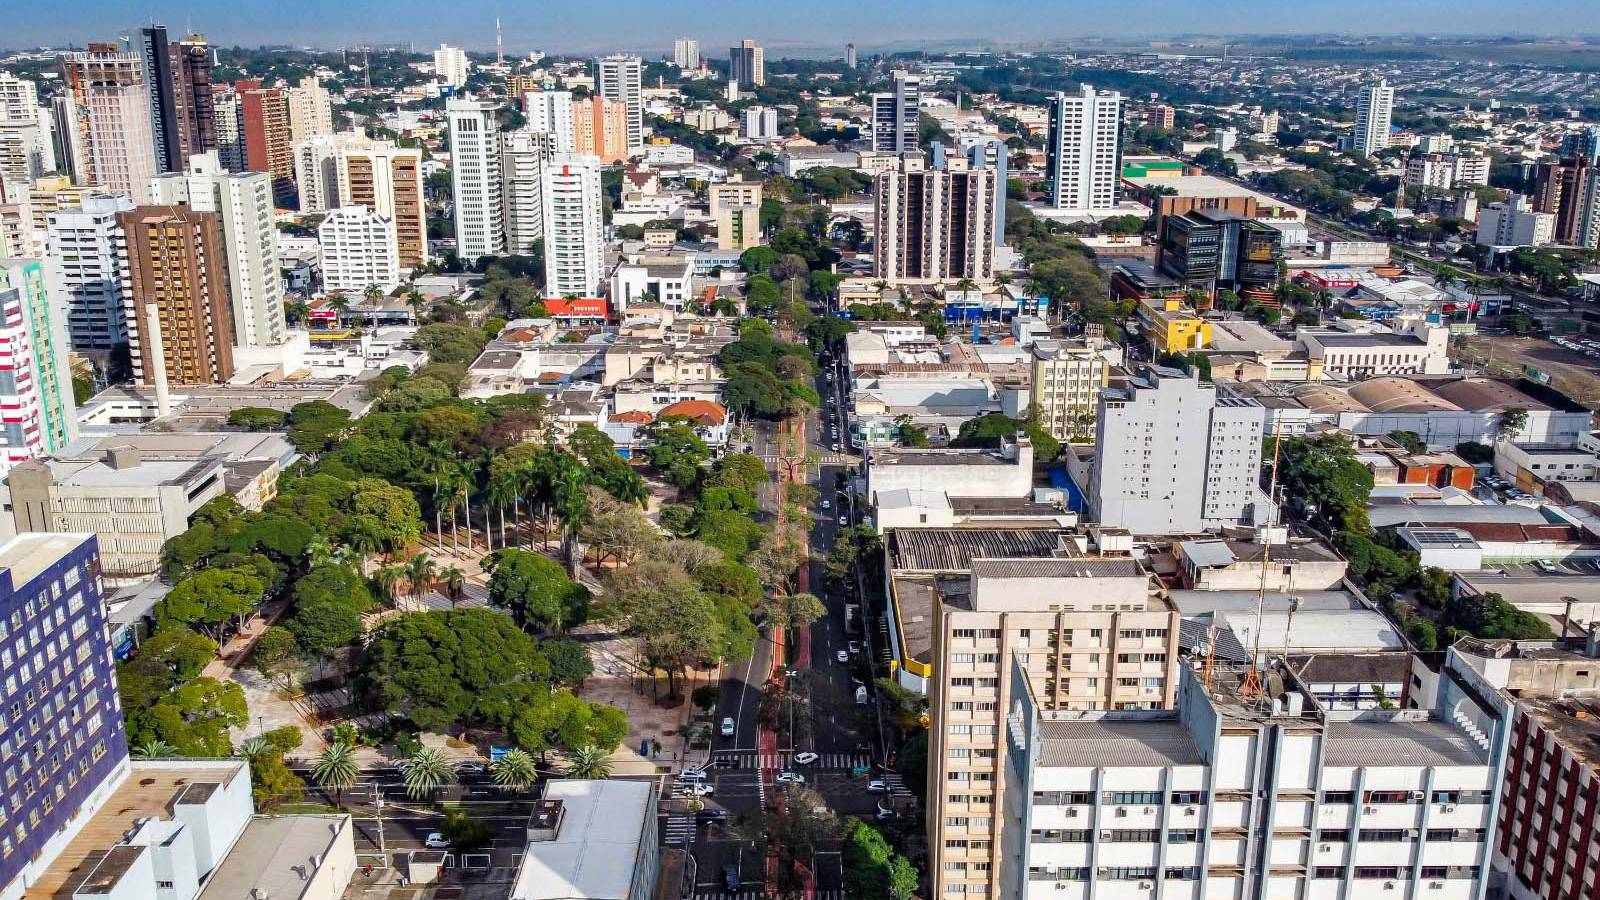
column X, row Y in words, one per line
column 752, row 759
column 680, row 829
column 759, row 895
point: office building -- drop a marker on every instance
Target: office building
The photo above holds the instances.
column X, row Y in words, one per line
column 747, row 64
column 591, row 838
column 388, row 180
column 264, row 127
column 1514, row 223
column 1569, row 189
column 37, row 412
column 551, row 112
column 359, row 250
column 113, row 119
column 450, row 66
column 1213, row 249
column 686, row 53
column 178, row 78
column 600, row 129
column 156, row 57
column 227, row 119
column 1374, row 113
column 64, row 722
column 1259, row 792
column 1161, row 116
column 936, row 225
column 619, row 77
column 475, row 178
column 310, row 109
column 759, row 123
column 897, row 115
column 1585, row 143
column 574, row 232
column 243, row 205
column 1176, row 457
column 850, row 56
column 522, row 158
column 175, row 296
column 738, row 227
column 1085, row 149
column 82, row 247
column 1064, row 386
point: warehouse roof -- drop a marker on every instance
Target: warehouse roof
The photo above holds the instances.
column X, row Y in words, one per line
column 954, row 549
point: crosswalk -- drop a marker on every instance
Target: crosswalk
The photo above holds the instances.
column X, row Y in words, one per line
column 751, row 759
column 897, row 785
column 680, row 829
column 759, row 895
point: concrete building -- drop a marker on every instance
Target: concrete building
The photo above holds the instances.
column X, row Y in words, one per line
column 747, row 64
column 228, row 125
column 850, row 56
column 387, row 179
column 551, row 112
column 686, row 54
column 450, row 66
column 574, row 232
column 619, row 77
column 1161, row 116
column 1065, row 380
column 725, row 194
column 1210, row 250
column 1419, row 348
column 37, row 412
column 759, row 123
column 897, row 115
column 1374, row 114
column 1444, row 171
column 82, row 251
column 156, row 55
column 265, row 136
column 522, row 159
column 475, row 178
column 936, row 225
column 1237, row 794
column 600, row 129
column 359, row 249
column 591, row 840
column 316, row 169
column 27, row 146
column 310, row 109
column 738, row 228
column 1569, row 189
column 175, row 295
column 1514, row 223
column 50, row 598
column 112, row 107
column 1175, row 456
column 244, row 209
column 1085, row 149
column 1007, row 472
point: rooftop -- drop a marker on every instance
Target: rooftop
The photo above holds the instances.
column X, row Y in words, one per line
column 1362, row 668
column 596, row 847
column 26, row 555
column 1399, row 743
column 1057, row 567
column 1102, row 741
column 271, row 854
column 954, row 549
column 939, row 458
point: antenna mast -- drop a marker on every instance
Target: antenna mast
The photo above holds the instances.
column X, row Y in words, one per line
column 499, row 45
column 1251, row 688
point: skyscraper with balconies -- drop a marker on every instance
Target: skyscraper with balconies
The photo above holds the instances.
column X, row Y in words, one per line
column 475, row 178
column 1085, row 149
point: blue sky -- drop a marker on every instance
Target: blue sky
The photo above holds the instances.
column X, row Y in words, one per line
column 650, row 25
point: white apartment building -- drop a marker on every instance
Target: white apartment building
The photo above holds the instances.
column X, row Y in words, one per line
column 620, row 77
column 897, row 115
column 1235, row 795
column 450, row 65
column 387, row 179
column 227, row 118
column 316, row 169
column 574, row 231
column 243, row 204
column 522, row 155
column 551, row 113
column 1064, row 387
column 359, row 248
column 1374, row 114
column 686, row 53
column 759, row 123
column 82, row 256
column 27, row 150
column 1443, row 171
column 475, row 178
column 1176, row 457
column 1085, row 149
column 1514, row 223
column 936, row 225
column 310, row 109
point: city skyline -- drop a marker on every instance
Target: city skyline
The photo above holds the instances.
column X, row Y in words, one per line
column 633, row 24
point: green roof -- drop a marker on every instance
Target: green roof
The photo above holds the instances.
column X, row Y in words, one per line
column 1139, row 170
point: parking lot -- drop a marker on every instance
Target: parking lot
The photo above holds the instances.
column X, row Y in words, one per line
column 1571, row 361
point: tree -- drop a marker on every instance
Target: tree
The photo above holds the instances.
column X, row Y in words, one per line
column 420, row 573
column 705, row 697
column 180, row 652
column 588, row 762
column 796, row 828
column 871, row 867
column 276, row 655
column 271, row 780
column 536, row 590
column 257, row 418
column 464, row 832
column 514, row 772
column 1410, row 440
column 439, row 667
column 1475, row 453
column 154, row 749
column 335, row 769
column 1511, row 424
column 1490, row 616
column 570, row 662
column 425, row 772
column 678, row 452
column 676, row 623
column 211, row 598
column 194, row 717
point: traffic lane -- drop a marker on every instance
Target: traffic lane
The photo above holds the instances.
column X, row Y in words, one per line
column 740, row 698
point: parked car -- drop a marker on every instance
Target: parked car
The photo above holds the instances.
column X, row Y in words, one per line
column 691, row 775
column 727, row 726
column 472, row 768
column 877, row 786
column 711, row 814
column 697, row 789
column 435, row 841
column 791, row 778
column 885, row 814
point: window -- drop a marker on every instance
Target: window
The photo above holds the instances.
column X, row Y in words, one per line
column 1187, row 798
column 1342, row 797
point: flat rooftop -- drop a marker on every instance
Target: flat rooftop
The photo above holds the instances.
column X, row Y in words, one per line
column 26, row 555
column 1101, row 742
column 954, row 549
column 939, row 458
column 1372, row 339
column 269, row 856
column 1395, row 744
column 1580, row 737
column 1058, row 567
column 596, row 847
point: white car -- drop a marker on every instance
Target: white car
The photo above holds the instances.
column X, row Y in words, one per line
column 844, row 521
column 841, row 656
column 877, row 786
column 727, row 726
column 804, row 758
column 826, row 505
column 791, row 778
column 692, row 775
column 435, row 841
column 696, row 789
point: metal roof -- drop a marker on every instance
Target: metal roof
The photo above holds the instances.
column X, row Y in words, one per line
column 1123, row 744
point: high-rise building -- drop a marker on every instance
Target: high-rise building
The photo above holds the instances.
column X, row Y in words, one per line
column 63, row 713
column 723, row 194
column 574, row 231
column 227, row 121
column 73, row 158
column 51, row 194
column 475, row 178
column 551, row 112
column 1064, row 387
column 316, row 169
column 450, row 65
column 244, row 210
column 1585, row 143
column 37, row 412
column 1209, row 249
column 27, row 147
column 155, row 55
column 264, row 121
column 686, row 53
column 759, row 123
column 600, row 129
column 1514, row 223
column 1085, row 149
column 113, row 118
column 388, row 180
column 1443, row 171
column 620, row 77
column 522, row 159
column 175, row 295
column 82, row 244
column 1176, row 456
column 1161, row 116
column 358, row 249
column 747, row 64
column 310, row 109
column 849, row 56
column 191, row 97
column 897, row 115
column 980, row 152
column 1569, row 189
column 1374, row 115
column 937, row 224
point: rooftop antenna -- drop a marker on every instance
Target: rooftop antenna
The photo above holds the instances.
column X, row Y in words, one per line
column 1251, row 688
column 499, row 45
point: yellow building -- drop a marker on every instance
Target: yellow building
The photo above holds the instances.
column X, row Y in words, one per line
column 1173, row 326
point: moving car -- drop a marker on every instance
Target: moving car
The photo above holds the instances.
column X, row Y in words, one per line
column 692, row 775
column 696, row 789
column 855, row 646
column 711, row 814
column 825, row 504
column 791, row 778
column 844, row 521
column 730, row 877
column 877, row 786
column 885, row 814
column 842, row 656
column 472, row 768
column 727, row 726
column 804, row 758
column 435, row 841
column 727, row 762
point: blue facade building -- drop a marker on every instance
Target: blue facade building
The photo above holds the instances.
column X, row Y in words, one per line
column 63, row 749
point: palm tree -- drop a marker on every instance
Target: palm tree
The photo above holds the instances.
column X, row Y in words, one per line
column 1002, row 279
column 420, row 572
column 416, row 301
column 426, row 771
column 571, row 491
column 254, row 747
column 365, row 539
column 338, row 302
column 387, row 580
column 515, row 772
column 965, row 284
column 373, row 294
column 155, row 748
column 335, row 769
column 588, row 761
column 455, row 581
